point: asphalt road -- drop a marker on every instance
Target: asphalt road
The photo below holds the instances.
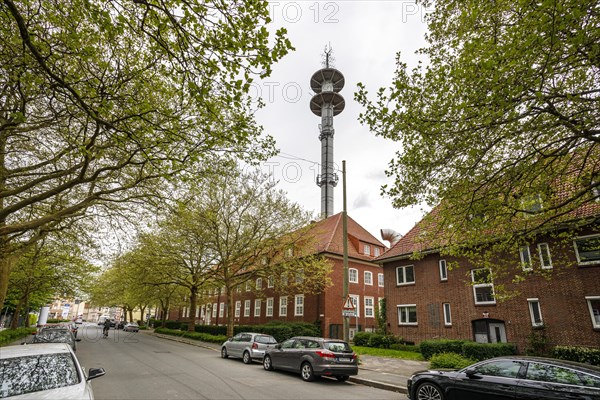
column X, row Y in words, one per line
column 140, row 366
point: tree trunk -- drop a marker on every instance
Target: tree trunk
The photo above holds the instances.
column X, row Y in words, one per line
column 192, row 311
column 231, row 311
column 143, row 316
column 14, row 324
column 7, row 260
column 130, row 314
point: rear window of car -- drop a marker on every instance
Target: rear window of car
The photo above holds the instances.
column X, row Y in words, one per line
column 53, row 336
column 29, row 374
column 265, row 339
column 338, row 347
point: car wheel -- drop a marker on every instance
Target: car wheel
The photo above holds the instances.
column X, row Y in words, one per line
column 224, row 352
column 342, row 378
column 306, row 371
column 246, row 357
column 429, row 391
column 267, row 364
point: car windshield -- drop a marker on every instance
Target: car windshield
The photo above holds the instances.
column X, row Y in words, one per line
column 53, row 336
column 265, row 340
column 34, row 373
column 338, row 347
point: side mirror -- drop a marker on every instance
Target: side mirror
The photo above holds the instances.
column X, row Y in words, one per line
column 95, row 373
column 78, row 340
column 472, row 374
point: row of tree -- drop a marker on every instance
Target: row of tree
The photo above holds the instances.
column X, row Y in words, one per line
column 224, row 232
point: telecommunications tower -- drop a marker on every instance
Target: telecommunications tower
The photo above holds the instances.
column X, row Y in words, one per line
column 326, row 103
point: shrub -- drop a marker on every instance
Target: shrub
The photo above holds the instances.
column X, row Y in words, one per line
column 450, row 360
column 211, row 329
column 430, row 347
column 484, row 351
column 173, row 324
column 56, row 321
column 577, row 354
column 362, row 338
column 8, row 336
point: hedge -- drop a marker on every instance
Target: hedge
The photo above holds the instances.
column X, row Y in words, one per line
column 484, row 351
column 450, row 360
column 8, row 336
column 577, row 354
column 204, row 337
column 430, row 347
column 371, row 339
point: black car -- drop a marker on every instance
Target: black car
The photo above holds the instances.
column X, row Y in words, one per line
column 509, row 378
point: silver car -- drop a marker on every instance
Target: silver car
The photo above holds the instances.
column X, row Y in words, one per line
column 248, row 346
column 312, row 356
column 44, row 371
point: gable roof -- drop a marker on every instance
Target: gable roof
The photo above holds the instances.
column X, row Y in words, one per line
column 328, row 236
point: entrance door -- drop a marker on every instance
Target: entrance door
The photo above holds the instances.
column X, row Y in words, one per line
column 497, row 332
column 489, row 331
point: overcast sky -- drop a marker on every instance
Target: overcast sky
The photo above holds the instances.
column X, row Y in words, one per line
column 365, row 36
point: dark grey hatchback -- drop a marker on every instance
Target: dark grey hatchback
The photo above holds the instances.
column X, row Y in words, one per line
column 509, row 378
column 313, row 356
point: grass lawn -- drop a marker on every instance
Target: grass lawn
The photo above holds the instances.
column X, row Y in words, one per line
column 372, row 351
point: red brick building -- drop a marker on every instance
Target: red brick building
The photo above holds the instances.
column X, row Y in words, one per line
column 559, row 297
column 366, row 287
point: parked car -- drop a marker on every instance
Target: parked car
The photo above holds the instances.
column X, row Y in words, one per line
column 56, row 334
column 44, row 371
column 312, row 356
column 509, row 378
column 121, row 324
column 131, row 327
column 248, row 346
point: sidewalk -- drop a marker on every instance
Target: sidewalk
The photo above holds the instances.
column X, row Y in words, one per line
column 379, row 372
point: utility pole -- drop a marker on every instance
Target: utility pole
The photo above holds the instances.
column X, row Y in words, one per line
column 345, row 239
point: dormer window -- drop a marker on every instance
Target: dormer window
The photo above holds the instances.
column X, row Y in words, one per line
column 367, row 249
column 377, row 251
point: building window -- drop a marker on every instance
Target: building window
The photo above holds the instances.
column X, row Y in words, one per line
column 532, row 204
column 447, row 314
column 544, row 251
column 299, row 305
column 367, row 249
column 483, row 288
column 289, row 252
column 405, row 275
column 214, row 310
column 594, row 307
column 283, row 306
column 300, row 276
column 246, row 308
column 369, row 307
column 587, row 249
column 356, row 303
column 353, row 275
column 535, row 312
column 248, row 286
column 259, row 283
column 238, row 307
column 221, row 310
column 284, row 279
column 443, row 270
column 202, row 312
column 270, row 307
column 380, row 280
column 368, row 278
column 377, row 251
column 270, row 282
column 257, row 307
column 407, row 314
column 525, row 258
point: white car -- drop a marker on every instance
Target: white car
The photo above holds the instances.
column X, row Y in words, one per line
column 44, row 371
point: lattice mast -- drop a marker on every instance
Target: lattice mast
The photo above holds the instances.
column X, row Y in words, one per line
column 327, row 103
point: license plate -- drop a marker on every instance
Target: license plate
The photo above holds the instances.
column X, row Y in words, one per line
column 344, row 359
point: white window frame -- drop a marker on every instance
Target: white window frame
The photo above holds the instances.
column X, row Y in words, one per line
column 380, row 280
column 443, row 270
column 376, row 251
column 369, row 307
column 595, row 322
column 248, row 286
column 593, row 262
column 352, row 275
column 214, row 310
column 447, row 314
column 535, row 302
column 238, row 308
column 525, row 256
column 355, row 298
column 541, row 252
column 369, row 280
column 482, row 285
column 299, row 305
column 270, row 282
column 257, row 306
column 247, row 305
column 258, row 283
column 221, row 310
column 406, row 307
column 269, row 311
column 367, row 249
column 403, row 269
column 283, row 304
